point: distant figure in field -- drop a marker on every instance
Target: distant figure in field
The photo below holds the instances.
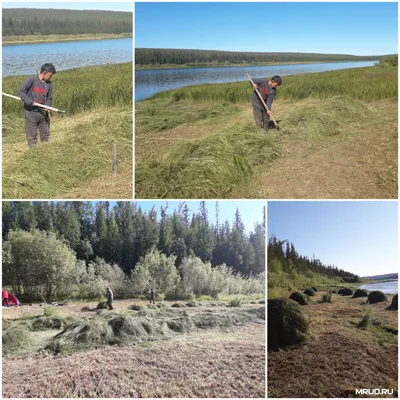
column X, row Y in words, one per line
column 110, row 298
column 267, row 90
column 37, row 89
column 152, row 296
column 4, row 296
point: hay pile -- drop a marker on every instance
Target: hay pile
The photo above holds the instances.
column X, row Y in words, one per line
column 300, row 298
column 309, row 292
column 16, row 337
column 394, row 305
column 315, row 289
column 137, row 307
column 345, row 292
column 326, row 120
column 206, row 168
column 360, row 293
column 286, row 323
column 376, row 296
column 110, row 328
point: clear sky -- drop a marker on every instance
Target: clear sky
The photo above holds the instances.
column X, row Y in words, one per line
column 345, row 28
column 357, row 236
column 77, row 5
column 250, row 211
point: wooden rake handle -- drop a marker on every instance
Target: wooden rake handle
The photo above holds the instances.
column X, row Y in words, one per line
column 262, row 101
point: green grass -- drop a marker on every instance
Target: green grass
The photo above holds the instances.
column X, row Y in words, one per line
column 83, row 153
column 80, row 89
column 206, row 168
column 368, row 84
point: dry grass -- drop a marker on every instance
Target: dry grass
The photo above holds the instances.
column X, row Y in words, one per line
column 340, row 357
column 224, row 362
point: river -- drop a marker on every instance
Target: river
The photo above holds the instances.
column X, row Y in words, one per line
column 26, row 59
column 385, row 287
column 149, row 82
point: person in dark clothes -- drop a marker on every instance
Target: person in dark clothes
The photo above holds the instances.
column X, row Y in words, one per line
column 152, row 296
column 267, row 90
column 110, row 298
column 4, row 296
column 37, row 89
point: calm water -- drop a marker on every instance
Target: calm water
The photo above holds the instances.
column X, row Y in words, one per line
column 385, row 287
column 148, row 82
column 26, row 59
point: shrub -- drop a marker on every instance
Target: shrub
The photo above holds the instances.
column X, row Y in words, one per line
column 345, row 292
column 376, row 296
column 300, row 298
column 366, row 321
column 286, row 323
column 309, row 292
column 360, row 293
column 394, row 305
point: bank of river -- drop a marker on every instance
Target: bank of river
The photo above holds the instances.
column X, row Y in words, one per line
column 26, row 59
column 149, row 82
column 391, row 287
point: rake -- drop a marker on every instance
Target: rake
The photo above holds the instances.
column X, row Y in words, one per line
column 34, row 104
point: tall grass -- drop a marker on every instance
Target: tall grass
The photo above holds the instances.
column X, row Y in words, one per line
column 78, row 155
column 206, row 168
column 368, row 84
column 80, row 89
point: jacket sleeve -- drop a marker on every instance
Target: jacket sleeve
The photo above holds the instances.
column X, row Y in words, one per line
column 24, row 88
column 49, row 99
column 270, row 100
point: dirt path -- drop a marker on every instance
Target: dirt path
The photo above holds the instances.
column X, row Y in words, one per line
column 361, row 162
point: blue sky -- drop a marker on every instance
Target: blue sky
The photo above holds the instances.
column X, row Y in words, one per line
column 250, row 211
column 346, row 28
column 98, row 5
column 358, row 236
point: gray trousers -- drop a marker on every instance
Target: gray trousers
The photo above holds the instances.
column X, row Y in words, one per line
column 35, row 120
column 260, row 116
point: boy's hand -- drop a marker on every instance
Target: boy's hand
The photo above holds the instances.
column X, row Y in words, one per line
column 255, row 85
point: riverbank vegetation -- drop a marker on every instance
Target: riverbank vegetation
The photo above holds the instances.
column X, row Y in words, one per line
column 31, row 39
column 77, row 162
column 203, row 128
column 191, row 58
column 31, row 21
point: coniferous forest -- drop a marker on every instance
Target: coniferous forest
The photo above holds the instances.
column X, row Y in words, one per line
column 119, row 238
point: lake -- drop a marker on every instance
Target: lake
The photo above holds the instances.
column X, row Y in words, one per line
column 26, row 59
column 385, row 287
column 148, row 82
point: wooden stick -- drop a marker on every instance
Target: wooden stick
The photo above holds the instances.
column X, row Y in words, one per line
column 34, row 104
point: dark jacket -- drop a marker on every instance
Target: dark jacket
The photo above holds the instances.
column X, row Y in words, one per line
column 267, row 93
column 36, row 90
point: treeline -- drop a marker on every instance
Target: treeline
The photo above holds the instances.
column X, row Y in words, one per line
column 288, row 270
column 22, row 22
column 124, row 234
column 145, row 56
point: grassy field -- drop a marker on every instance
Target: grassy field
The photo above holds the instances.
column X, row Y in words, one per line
column 199, row 349
column 30, row 39
column 338, row 139
column 343, row 353
column 77, row 162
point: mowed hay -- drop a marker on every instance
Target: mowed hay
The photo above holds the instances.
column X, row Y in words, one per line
column 43, row 323
column 206, row 168
column 315, row 289
column 16, row 338
column 376, row 296
column 137, row 307
column 286, row 323
column 309, row 292
column 300, row 298
column 394, row 305
column 360, row 293
column 345, row 292
column 102, row 306
column 326, row 120
column 114, row 329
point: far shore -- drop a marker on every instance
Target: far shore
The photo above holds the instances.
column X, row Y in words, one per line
column 175, row 66
column 36, row 39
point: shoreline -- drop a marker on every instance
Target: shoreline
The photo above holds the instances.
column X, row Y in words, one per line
column 175, row 66
column 39, row 39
